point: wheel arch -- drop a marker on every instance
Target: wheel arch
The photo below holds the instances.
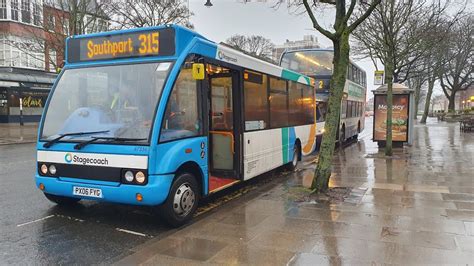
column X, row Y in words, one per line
column 298, row 144
column 194, row 169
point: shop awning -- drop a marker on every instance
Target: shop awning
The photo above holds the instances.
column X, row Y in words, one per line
column 27, row 76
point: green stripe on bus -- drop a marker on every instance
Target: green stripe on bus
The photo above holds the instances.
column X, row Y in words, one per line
column 284, row 143
column 308, row 81
column 290, row 75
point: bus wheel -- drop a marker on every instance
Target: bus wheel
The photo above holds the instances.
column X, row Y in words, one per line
column 342, row 135
column 182, row 200
column 291, row 166
column 60, row 200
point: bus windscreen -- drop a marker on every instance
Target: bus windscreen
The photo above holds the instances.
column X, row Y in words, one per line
column 309, row 62
column 157, row 42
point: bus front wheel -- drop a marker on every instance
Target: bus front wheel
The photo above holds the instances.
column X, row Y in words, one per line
column 182, row 200
column 60, row 200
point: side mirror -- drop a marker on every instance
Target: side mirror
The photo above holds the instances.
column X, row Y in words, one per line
column 198, row 71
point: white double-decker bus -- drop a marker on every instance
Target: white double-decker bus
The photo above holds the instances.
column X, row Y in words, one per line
column 317, row 63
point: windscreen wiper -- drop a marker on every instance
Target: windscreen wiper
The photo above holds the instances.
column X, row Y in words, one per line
column 53, row 141
column 84, row 143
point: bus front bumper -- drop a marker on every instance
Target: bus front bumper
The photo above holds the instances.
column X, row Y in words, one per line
column 154, row 193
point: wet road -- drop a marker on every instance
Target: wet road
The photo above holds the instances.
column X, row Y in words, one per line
column 37, row 231
column 34, row 230
column 416, row 206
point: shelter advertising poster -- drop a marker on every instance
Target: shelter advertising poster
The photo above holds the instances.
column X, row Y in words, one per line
column 399, row 118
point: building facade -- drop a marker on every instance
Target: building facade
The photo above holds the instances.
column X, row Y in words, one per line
column 32, row 36
column 308, row 42
column 465, row 98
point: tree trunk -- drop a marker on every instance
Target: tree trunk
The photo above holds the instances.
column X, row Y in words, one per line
column 452, row 100
column 431, row 82
column 416, row 110
column 389, row 81
column 338, row 80
column 417, row 87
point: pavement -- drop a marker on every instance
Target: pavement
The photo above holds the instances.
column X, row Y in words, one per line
column 16, row 134
column 416, row 207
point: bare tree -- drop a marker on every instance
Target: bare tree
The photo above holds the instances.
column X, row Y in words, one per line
column 458, row 73
column 238, row 41
column 345, row 22
column 396, row 34
column 254, row 45
column 146, row 13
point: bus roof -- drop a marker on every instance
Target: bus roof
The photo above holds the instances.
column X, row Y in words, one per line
column 124, row 46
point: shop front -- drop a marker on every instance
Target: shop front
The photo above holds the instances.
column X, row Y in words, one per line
column 32, row 103
column 23, row 94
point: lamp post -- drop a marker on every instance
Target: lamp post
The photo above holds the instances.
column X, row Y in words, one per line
column 208, row 3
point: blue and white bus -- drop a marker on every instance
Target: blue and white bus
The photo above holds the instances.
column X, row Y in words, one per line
column 162, row 117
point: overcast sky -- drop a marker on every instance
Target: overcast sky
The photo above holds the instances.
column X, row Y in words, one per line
column 229, row 17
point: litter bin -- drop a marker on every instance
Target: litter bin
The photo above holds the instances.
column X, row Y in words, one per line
column 403, row 115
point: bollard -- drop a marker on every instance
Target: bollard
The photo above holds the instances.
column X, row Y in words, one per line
column 21, row 112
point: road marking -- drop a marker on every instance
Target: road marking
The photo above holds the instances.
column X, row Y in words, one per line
column 130, row 232
column 70, row 218
column 38, row 220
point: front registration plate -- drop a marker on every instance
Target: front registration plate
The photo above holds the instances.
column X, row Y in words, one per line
column 87, row 191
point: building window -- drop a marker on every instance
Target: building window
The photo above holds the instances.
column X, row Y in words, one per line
column 103, row 25
column 66, row 26
column 21, row 52
column 15, row 9
column 52, row 61
column 50, row 23
column 36, row 14
column 3, row 9
column 89, row 25
column 25, row 11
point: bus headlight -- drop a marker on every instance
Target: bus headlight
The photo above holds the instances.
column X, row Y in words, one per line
column 52, row 169
column 129, row 176
column 140, row 177
column 44, row 169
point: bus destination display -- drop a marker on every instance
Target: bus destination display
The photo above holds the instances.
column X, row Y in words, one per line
column 127, row 45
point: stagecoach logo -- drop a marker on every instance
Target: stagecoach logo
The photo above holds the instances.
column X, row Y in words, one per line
column 223, row 56
column 68, row 158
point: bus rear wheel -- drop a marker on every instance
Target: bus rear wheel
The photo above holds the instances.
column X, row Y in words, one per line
column 182, row 200
column 291, row 166
column 61, row 200
column 342, row 135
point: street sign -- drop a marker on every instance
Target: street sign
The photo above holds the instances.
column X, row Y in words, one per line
column 378, row 77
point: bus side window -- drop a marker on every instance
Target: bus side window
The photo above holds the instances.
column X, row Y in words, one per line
column 181, row 119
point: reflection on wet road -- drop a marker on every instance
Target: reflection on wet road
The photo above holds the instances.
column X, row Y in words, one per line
column 416, row 206
column 37, row 231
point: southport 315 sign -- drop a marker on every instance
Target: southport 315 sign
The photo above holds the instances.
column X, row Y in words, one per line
column 121, row 45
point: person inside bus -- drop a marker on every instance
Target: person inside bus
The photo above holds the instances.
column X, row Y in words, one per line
column 122, row 97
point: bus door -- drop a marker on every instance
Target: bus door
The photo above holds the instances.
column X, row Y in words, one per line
column 224, row 135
